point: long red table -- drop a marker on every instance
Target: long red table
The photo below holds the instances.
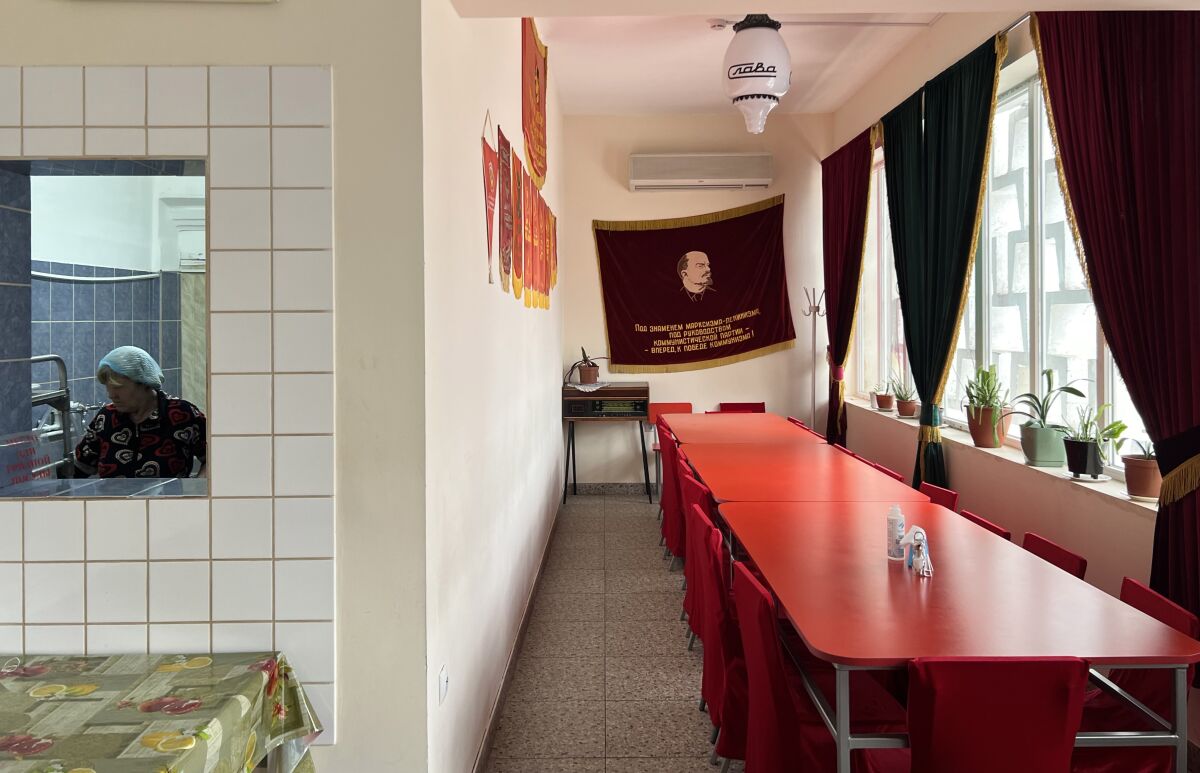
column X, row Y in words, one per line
column 791, row 472
column 736, row 428
column 827, row 565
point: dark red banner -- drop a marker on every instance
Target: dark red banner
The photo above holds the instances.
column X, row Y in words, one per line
column 694, row 292
column 506, row 208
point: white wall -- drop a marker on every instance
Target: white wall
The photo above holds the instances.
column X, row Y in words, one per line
column 95, row 221
column 598, row 149
column 494, row 446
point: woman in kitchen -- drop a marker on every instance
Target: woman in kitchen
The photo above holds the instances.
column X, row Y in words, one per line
column 141, row 432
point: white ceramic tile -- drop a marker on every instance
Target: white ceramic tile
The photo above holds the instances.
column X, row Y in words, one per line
column 240, row 405
column 243, row 637
column 53, row 96
column 10, row 96
column 300, row 96
column 116, row 529
column 240, row 281
column 114, row 96
column 240, row 96
column 309, row 649
column 116, row 593
column 304, row 528
column 10, row 639
column 324, row 703
column 241, row 343
column 241, row 528
column 240, row 466
column 179, row 639
column 10, row 593
column 178, row 591
column 304, row 590
column 178, row 528
column 240, row 158
column 303, row 465
column 116, row 142
column 241, row 590
column 301, row 158
column 116, row 639
column 304, row 403
column 240, row 220
column 10, row 531
column 53, row 142
column 54, row 593
column 54, row 531
column 302, row 219
column 177, row 142
column 54, row 639
column 177, row 96
column 10, row 142
column 303, row 280
column 303, row 342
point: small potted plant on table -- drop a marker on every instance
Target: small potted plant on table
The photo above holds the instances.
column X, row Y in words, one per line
column 589, row 371
column 986, row 403
column 1087, row 441
column 883, row 397
column 906, row 398
column 1040, row 439
column 1143, row 480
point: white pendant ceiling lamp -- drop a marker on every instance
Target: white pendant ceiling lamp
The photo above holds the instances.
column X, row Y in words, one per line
column 758, row 69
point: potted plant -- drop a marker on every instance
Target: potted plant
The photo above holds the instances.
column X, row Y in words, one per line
column 906, row 398
column 1088, row 439
column 1142, row 476
column 589, row 371
column 882, row 395
column 1040, row 440
column 986, row 402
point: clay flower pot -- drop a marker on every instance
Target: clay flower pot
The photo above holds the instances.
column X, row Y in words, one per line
column 884, row 402
column 1142, row 477
column 1083, row 458
column 981, row 423
column 908, row 407
column 589, row 374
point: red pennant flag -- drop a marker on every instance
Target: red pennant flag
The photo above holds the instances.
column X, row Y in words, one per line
column 506, row 207
column 518, row 261
column 491, row 173
column 527, row 230
column 533, row 100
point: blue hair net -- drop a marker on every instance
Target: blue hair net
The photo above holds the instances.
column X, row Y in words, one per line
column 134, row 364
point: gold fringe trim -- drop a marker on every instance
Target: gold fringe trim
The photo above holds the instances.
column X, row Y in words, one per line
column 683, row 222
column 1001, row 43
column 682, row 367
column 1180, row 482
column 1036, row 31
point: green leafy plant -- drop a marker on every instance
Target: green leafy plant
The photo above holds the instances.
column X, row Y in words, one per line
column 882, row 388
column 1089, row 427
column 985, row 391
column 1145, row 448
column 1037, row 407
column 904, row 392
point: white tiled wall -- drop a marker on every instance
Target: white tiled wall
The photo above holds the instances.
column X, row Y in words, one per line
column 252, row 567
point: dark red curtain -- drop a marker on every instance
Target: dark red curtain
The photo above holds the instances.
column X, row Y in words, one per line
column 1123, row 90
column 845, row 190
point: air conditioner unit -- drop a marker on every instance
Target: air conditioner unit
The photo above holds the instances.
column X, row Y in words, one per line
column 699, row 171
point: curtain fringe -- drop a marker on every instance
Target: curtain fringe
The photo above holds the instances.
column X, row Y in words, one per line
column 684, row 222
column 686, row 366
column 1180, row 482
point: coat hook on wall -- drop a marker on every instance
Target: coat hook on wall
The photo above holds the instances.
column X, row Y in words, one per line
column 815, row 311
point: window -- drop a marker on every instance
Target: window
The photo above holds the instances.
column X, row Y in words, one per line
column 1028, row 304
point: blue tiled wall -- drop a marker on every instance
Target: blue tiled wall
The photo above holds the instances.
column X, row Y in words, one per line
column 14, row 301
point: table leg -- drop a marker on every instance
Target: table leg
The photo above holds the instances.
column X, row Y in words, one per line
column 567, row 468
column 574, row 464
column 658, row 475
column 645, row 463
column 1180, row 724
column 842, row 739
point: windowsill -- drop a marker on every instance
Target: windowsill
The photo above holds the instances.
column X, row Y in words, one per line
column 1110, row 490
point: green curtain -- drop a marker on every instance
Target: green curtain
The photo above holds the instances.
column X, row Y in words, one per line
column 935, row 148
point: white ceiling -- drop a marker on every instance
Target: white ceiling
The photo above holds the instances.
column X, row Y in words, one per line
column 672, row 64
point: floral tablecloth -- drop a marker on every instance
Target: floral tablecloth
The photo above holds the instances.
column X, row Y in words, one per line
column 153, row 714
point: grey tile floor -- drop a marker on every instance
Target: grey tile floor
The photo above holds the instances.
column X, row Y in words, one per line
column 604, row 682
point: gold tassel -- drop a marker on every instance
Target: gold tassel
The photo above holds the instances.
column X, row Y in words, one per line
column 1180, row 482
column 681, row 367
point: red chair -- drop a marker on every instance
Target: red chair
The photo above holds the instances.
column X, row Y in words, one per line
column 1103, row 712
column 1069, row 562
column 993, row 715
column 784, row 731
column 654, row 410
column 741, row 407
column 985, row 523
column 940, row 496
column 694, row 496
column 669, row 502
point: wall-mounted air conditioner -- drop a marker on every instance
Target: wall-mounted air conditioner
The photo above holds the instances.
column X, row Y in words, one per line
column 699, row 171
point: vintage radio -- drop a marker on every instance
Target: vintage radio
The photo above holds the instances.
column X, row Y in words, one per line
column 620, row 400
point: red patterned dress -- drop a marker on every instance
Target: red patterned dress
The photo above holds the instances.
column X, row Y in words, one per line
column 163, row 445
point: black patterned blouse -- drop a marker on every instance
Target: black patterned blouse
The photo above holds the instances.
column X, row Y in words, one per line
column 163, row 445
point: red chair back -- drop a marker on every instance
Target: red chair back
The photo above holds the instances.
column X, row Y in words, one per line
column 966, row 714
column 985, row 523
column 654, row 410
column 940, row 496
column 1071, row 563
column 669, row 499
column 724, row 677
column 1153, row 686
column 742, row 407
column 695, row 497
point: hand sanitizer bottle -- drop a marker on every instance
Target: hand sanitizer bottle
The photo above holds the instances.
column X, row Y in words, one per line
column 895, row 533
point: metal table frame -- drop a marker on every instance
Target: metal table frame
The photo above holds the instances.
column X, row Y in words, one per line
column 571, row 470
